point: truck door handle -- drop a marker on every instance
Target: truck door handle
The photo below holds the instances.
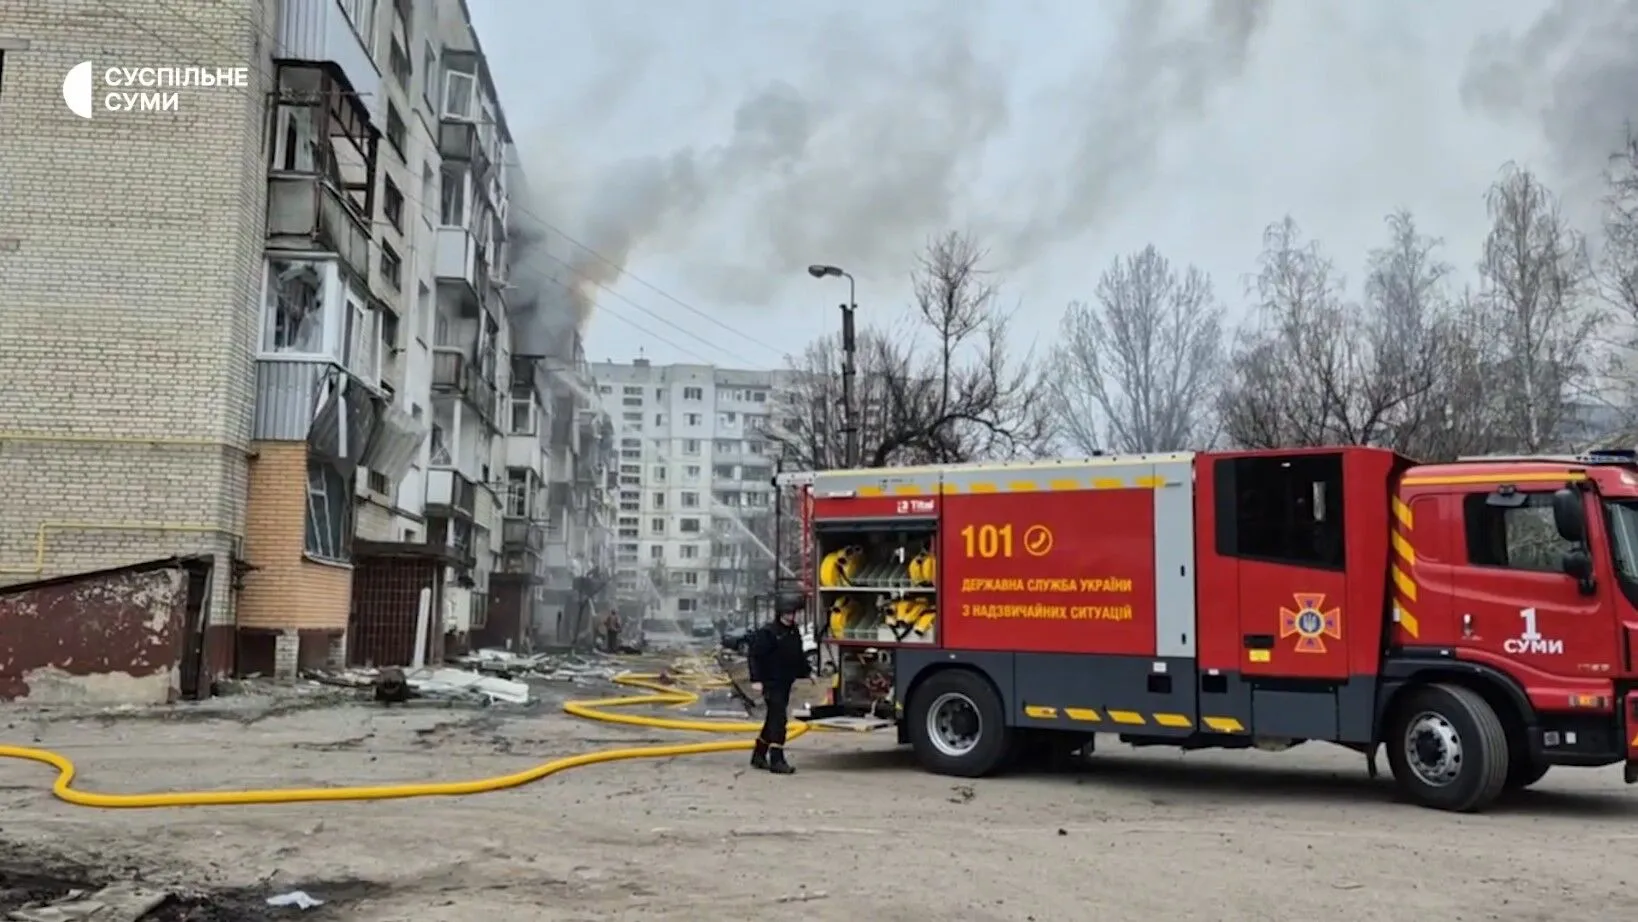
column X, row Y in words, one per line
column 1259, row 641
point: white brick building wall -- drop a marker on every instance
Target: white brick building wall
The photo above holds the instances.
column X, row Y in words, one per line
column 130, row 257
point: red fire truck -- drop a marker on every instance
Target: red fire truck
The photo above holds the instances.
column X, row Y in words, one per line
column 1477, row 618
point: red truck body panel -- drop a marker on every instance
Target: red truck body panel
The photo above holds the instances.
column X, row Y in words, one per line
column 1069, row 572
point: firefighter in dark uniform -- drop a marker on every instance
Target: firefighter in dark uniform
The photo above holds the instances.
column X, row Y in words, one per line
column 777, row 660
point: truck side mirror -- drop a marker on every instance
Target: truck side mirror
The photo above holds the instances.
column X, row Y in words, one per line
column 1578, row 564
column 1569, row 515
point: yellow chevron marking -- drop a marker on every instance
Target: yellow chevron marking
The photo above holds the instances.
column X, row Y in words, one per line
column 1173, row 720
column 1040, row 713
column 1407, row 621
column 1403, row 548
column 1405, row 583
column 1127, row 717
column 1086, row 714
column 1223, row 724
column 1402, row 512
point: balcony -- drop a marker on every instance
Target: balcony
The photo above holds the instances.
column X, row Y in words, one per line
column 453, row 373
column 451, row 494
column 306, row 212
column 523, row 535
column 318, row 31
column 462, row 271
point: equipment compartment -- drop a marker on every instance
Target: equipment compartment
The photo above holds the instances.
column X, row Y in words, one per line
column 878, row 582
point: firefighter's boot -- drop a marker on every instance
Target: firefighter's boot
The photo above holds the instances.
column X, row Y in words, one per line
column 759, row 756
column 777, row 763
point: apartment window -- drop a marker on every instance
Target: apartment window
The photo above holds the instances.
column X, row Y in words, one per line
column 691, row 446
column 452, row 197
column 361, row 13
column 759, row 396
column 691, row 472
column 690, row 500
column 656, row 552
column 659, row 472
column 728, row 419
column 692, row 419
column 656, row 526
column 517, row 492
column 627, row 522
column 636, row 419
column 689, row 526
column 659, row 419
column 687, row 606
column 295, row 143
column 399, row 63
column 725, row 447
column 631, row 443
column 377, row 482
column 605, row 389
column 631, row 401
column 693, row 393
column 690, row 577
column 629, row 391
column 329, row 512
column 363, row 356
column 392, row 204
column 631, row 454
column 631, row 469
column 395, row 129
column 659, row 500
column 429, row 75
column 294, row 303
column 630, row 507
column 392, row 267
column 723, row 472
column 754, row 423
column 460, row 95
column 523, row 416
column 689, row 551
column 627, row 480
column 754, row 448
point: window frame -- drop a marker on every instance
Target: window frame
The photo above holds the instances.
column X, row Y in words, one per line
column 327, row 528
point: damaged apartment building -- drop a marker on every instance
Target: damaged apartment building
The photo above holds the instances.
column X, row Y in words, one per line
column 259, row 403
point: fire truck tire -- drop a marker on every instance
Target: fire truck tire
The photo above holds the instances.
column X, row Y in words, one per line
column 1448, row 749
column 957, row 725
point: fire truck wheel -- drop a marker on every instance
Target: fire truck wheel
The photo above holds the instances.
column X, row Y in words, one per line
column 957, row 726
column 1448, row 749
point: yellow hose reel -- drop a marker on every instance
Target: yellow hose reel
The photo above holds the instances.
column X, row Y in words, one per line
column 923, row 569
column 843, row 611
column 839, row 567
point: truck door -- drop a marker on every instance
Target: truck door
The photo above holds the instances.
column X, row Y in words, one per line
column 1512, row 597
column 1286, row 530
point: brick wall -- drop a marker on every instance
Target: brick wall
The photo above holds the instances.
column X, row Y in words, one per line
column 130, row 256
column 287, row 591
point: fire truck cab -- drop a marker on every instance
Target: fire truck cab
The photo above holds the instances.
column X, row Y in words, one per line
column 1475, row 619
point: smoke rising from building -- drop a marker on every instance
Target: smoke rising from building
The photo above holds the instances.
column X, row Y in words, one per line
column 868, row 148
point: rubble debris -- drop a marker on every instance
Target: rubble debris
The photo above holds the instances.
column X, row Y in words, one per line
column 550, row 667
column 297, row 899
column 391, row 687
column 120, row 902
column 454, row 683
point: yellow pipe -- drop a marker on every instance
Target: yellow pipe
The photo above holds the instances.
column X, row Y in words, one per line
column 63, row 788
column 41, row 534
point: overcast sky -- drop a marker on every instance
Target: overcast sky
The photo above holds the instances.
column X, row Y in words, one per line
column 715, row 147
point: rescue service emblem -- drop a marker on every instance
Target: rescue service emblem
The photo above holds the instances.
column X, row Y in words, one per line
column 1311, row 622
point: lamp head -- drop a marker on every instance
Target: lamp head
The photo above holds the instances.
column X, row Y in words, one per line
column 820, row 272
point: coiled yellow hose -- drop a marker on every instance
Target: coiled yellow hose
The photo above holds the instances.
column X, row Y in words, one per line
column 599, row 710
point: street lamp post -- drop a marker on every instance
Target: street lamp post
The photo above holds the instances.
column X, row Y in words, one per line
column 850, row 421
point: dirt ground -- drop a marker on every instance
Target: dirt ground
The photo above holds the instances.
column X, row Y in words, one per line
column 858, row 833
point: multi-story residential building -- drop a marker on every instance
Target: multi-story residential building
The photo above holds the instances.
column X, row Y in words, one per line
column 694, row 481
column 334, row 453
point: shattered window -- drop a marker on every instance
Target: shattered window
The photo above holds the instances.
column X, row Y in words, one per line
column 329, row 507
column 295, row 307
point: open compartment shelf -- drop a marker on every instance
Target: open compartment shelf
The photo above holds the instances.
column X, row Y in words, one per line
column 878, row 581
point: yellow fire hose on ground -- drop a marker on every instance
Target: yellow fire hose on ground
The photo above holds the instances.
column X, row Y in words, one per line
column 675, row 695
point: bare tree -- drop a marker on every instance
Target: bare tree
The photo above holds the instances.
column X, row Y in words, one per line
column 1135, row 370
column 1535, row 279
column 960, row 397
column 1314, row 369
